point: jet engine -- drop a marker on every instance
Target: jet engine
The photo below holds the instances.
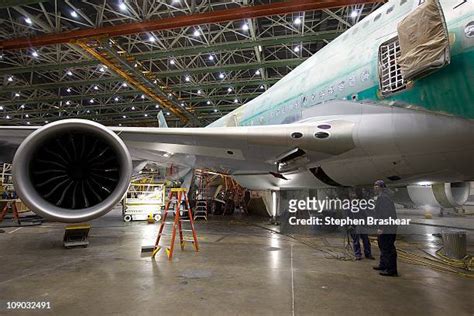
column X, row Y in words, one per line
column 72, row 170
column 444, row 195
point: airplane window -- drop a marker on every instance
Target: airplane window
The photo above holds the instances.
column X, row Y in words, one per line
column 389, row 9
column 377, row 16
column 402, row 2
column 321, row 135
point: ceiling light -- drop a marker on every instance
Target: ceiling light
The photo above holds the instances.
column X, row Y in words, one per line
column 1, row 107
column 124, row 84
column 46, row 122
column 122, row 6
column 145, row 115
column 199, row 92
column 17, row 94
column 28, row 21
column 215, row 110
column 196, row 33
column 208, row 102
column 187, row 79
column 182, row 104
column 91, row 101
column 142, row 96
column 120, row 124
column 10, row 79
column 354, row 13
column 257, row 72
column 69, row 73
column 102, row 69
column 68, row 102
column 34, row 54
column 7, row 117
column 124, row 116
column 133, row 108
column 172, row 62
column 296, row 49
column 96, row 87
column 74, row 14
column 26, row 115
column 155, row 81
column 229, row 89
column 151, row 38
column 297, row 21
column 22, row 106
column 167, row 113
column 68, row 90
column 116, row 99
column 262, row 87
column 28, row 123
column 221, row 75
column 88, row 111
column 157, row 106
column 236, row 101
column 260, row 48
column 245, row 27
column 211, row 57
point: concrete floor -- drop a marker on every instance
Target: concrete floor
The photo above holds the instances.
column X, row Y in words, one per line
column 241, row 269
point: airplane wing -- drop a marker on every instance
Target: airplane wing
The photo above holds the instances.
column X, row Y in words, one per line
column 256, row 148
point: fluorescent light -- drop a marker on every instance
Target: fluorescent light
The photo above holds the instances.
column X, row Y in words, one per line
column 229, row 89
column 221, row 75
column 257, row 72
column 296, row 49
column 122, row 6
column 34, row 54
column 211, row 57
column 133, row 108
column 74, row 14
column 17, row 94
column 245, row 27
column 196, row 33
column 172, row 62
column 68, row 90
column 236, row 101
column 28, row 20
column 91, row 101
column 124, row 116
column 354, row 13
column 145, row 115
column 151, row 38
column 208, row 102
column 124, row 84
column 187, row 79
column 260, row 48
column 69, row 73
column 297, row 21
column 96, row 87
column 116, row 99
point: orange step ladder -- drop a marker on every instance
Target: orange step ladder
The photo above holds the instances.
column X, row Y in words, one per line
column 177, row 197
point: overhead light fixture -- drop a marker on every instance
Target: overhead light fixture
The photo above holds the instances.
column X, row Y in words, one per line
column 260, row 48
column 208, row 102
column 1, row 108
column 151, row 38
column 145, row 115
column 26, row 115
column 133, row 108
column 10, row 79
column 262, row 87
column 68, row 90
column 211, row 57
column 157, row 106
column 116, row 99
column 74, row 14
column 172, row 62
column 296, row 49
column 28, row 21
column 229, row 89
column 245, row 27
column 124, row 116
column 167, row 113
column 91, row 101
column 22, row 106
column 196, row 33
column 46, row 122
column 96, row 87
column 257, row 72
column 354, row 13
column 17, row 94
column 122, row 6
column 187, row 79
column 143, row 96
column 101, row 69
column 215, row 110
column 28, row 123
column 297, row 21
column 7, row 117
column 68, row 102
column 34, row 54
column 221, row 75
column 236, row 101
column 199, row 92
column 69, row 73
column 124, row 84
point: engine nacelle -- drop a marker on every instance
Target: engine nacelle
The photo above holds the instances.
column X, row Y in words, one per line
column 72, row 170
column 445, row 195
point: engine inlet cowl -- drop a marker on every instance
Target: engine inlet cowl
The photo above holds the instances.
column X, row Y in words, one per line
column 72, row 170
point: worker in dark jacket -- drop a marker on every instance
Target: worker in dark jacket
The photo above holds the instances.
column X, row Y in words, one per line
column 385, row 209
column 358, row 233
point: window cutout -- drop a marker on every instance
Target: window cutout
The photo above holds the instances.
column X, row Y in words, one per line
column 390, row 75
column 377, row 17
column 389, row 9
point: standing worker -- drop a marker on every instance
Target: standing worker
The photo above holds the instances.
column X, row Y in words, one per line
column 387, row 234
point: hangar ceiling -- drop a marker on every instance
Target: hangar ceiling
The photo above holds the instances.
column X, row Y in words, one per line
column 195, row 60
